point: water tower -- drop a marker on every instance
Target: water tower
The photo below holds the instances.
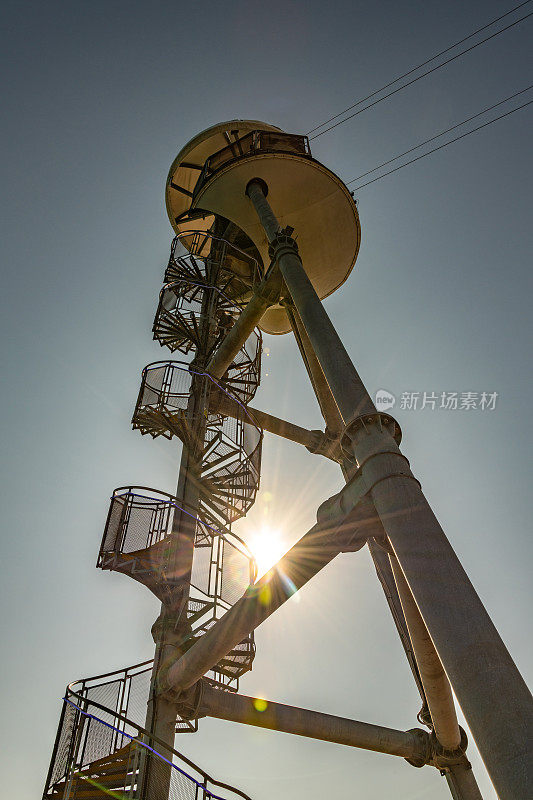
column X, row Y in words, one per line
column 263, row 233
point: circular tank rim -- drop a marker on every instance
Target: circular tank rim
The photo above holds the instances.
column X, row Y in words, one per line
column 213, row 130
column 341, row 186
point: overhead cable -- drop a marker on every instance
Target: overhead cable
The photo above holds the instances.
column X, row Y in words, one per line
column 419, row 77
column 447, row 130
column 440, row 147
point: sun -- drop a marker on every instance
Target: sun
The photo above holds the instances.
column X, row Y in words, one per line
column 267, row 547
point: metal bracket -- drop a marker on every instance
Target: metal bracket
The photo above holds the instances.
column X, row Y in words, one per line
column 442, row 758
column 327, row 446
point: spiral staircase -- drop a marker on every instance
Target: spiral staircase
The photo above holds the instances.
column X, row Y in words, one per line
column 102, row 748
column 100, row 744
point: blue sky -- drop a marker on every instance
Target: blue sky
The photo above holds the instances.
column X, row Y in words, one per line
column 98, row 99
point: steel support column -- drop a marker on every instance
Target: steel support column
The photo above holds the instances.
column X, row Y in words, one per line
column 328, row 406
column 270, row 423
column 495, row 700
column 462, row 782
column 436, row 685
column 346, row 386
column 460, row 777
column 172, row 626
column 412, row 745
column 334, row 423
column 264, row 296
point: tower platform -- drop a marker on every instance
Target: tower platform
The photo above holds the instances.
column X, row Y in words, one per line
column 305, row 195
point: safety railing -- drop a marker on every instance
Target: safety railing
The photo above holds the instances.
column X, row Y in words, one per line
column 231, row 447
column 136, row 540
column 236, row 272
column 178, row 326
column 209, row 284
column 253, row 143
column 99, row 747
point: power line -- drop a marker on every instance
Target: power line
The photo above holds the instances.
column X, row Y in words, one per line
column 440, row 147
column 419, row 77
column 423, row 64
column 447, row 130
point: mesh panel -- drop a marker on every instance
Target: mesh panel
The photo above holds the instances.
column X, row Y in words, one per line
column 139, row 689
column 152, row 385
column 165, row 780
column 131, row 771
column 201, row 567
column 98, row 741
column 102, row 741
column 114, row 775
column 112, row 531
column 138, row 527
column 164, row 386
column 235, row 573
column 107, row 694
column 179, row 388
column 182, row 788
column 61, row 758
column 146, row 521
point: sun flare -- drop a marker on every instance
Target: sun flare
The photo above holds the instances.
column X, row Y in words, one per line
column 267, row 547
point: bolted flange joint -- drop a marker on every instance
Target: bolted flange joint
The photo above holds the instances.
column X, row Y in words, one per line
column 382, row 421
column 283, row 244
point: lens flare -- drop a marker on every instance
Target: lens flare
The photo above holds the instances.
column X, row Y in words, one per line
column 260, row 704
column 267, row 547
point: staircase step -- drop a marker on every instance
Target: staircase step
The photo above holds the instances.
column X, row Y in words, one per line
column 118, row 757
column 94, row 793
column 108, row 779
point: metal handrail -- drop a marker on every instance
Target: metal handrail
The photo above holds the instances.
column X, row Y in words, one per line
column 178, row 319
column 171, row 499
column 196, row 249
column 141, row 732
column 111, row 674
column 169, row 287
column 251, row 144
column 186, row 367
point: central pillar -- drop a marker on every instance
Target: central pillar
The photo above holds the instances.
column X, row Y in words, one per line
column 493, row 695
column 172, row 627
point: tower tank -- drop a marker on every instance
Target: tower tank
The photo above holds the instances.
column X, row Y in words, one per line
column 208, row 181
